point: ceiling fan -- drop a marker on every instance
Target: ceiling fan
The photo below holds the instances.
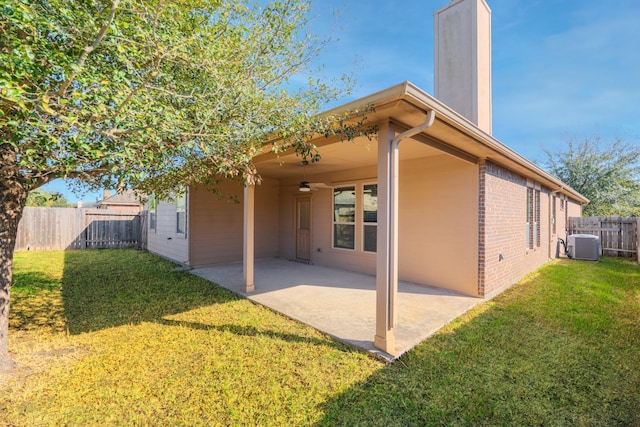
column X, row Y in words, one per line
column 306, row 186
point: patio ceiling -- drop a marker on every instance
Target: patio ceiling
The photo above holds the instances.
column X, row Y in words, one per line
column 339, row 156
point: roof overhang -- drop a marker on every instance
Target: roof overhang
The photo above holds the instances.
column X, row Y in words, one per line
column 406, row 105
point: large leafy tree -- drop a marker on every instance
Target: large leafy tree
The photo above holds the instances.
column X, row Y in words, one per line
column 608, row 174
column 152, row 93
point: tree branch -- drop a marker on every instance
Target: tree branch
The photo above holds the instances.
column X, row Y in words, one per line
column 87, row 50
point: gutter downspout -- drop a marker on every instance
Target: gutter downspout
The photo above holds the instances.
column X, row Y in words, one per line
column 552, row 216
column 392, row 219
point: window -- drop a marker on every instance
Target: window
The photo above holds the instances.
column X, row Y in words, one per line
column 553, row 214
column 181, row 213
column 529, row 216
column 152, row 212
column 344, row 217
column 536, row 217
column 370, row 217
column 533, row 218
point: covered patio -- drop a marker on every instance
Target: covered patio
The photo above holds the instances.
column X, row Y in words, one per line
column 342, row 303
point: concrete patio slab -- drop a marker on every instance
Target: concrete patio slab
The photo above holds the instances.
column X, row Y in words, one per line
column 342, row 303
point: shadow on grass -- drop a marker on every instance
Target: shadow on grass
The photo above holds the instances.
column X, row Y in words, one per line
column 522, row 359
column 32, row 282
column 250, row 331
column 113, row 287
column 36, row 302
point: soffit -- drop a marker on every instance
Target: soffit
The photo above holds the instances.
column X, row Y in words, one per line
column 406, row 105
column 339, row 156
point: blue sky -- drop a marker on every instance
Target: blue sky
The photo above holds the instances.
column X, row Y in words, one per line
column 561, row 68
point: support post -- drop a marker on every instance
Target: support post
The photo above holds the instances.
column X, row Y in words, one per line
column 387, row 258
column 385, row 293
column 248, row 256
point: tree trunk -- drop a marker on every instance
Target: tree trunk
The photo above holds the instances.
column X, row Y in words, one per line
column 13, row 196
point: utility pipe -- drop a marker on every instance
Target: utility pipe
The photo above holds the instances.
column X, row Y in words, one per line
column 392, row 214
column 552, row 218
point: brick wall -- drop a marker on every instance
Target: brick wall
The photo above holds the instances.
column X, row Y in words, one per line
column 507, row 257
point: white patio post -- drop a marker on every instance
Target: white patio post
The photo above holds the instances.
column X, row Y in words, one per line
column 248, row 243
column 385, row 289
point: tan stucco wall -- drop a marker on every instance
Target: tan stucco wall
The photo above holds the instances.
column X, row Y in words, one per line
column 322, row 252
column 438, row 224
column 438, row 205
column 217, row 223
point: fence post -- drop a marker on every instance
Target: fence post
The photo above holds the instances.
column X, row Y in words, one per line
column 638, row 238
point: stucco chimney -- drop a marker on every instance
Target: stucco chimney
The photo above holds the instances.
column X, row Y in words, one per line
column 463, row 59
column 106, row 194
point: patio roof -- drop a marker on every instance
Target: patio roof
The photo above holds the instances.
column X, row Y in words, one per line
column 405, row 106
column 342, row 303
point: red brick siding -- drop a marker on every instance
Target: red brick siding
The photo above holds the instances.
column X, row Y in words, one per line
column 506, row 255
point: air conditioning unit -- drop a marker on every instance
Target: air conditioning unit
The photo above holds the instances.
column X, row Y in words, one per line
column 583, row 246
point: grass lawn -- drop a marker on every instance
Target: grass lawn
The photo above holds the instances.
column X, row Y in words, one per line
column 116, row 337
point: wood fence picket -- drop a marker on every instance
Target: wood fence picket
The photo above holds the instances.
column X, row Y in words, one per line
column 618, row 236
column 43, row 229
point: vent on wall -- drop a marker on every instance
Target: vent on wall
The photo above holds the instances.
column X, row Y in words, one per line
column 584, row 246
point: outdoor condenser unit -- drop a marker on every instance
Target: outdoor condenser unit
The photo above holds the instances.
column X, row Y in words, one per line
column 583, row 246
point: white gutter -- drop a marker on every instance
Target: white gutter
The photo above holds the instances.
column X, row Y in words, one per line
column 420, row 99
column 427, row 101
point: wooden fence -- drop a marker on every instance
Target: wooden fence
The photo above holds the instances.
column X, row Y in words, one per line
column 618, row 236
column 42, row 229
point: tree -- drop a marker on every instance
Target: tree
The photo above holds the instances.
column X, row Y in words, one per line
column 156, row 94
column 46, row 199
column 608, row 174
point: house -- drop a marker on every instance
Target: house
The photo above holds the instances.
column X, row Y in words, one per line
column 122, row 200
column 432, row 199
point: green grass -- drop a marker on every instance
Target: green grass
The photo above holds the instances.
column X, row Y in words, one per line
column 131, row 342
column 560, row 348
column 116, row 337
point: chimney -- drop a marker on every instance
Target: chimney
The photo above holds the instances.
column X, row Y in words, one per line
column 463, row 59
column 106, row 194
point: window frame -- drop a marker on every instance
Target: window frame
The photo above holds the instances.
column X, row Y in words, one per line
column 335, row 223
column 554, row 218
column 368, row 223
column 529, row 218
column 153, row 212
column 536, row 218
column 181, row 197
column 533, row 217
